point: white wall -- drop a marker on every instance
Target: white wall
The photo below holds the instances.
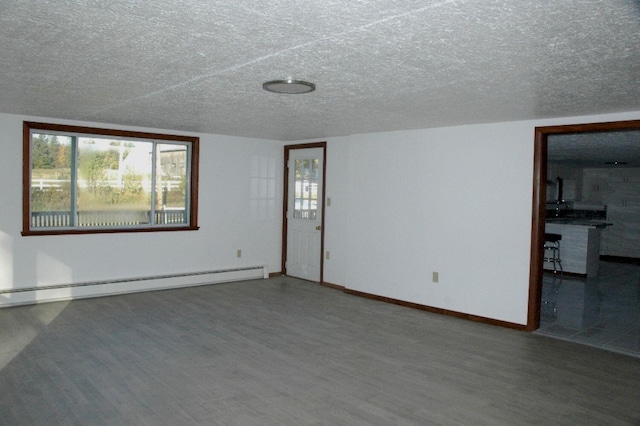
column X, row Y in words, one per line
column 403, row 204
column 337, row 178
column 453, row 200
column 240, row 207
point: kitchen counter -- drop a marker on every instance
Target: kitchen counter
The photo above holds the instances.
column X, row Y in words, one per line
column 579, row 246
column 579, row 222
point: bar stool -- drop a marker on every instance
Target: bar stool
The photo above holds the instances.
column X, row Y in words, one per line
column 552, row 251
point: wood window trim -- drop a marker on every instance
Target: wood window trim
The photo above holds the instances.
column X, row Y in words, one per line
column 28, row 126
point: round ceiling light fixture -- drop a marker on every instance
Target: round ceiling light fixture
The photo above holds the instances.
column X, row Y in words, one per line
column 289, row 86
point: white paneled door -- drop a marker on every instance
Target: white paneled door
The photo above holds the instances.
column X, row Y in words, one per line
column 304, row 213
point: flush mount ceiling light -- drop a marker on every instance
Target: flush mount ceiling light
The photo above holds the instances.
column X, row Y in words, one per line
column 289, row 86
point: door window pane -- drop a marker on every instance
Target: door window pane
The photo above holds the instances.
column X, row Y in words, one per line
column 306, row 188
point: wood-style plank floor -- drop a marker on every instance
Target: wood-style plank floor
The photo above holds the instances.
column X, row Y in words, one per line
column 289, row 352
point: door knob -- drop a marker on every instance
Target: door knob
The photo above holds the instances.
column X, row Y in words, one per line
column 318, row 228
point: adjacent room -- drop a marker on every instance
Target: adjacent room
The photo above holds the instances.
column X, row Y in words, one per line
column 319, row 212
column 593, row 189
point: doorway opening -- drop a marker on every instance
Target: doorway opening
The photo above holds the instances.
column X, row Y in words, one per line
column 539, row 213
column 303, row 211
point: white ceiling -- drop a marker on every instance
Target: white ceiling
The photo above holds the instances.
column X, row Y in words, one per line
column 379, row 65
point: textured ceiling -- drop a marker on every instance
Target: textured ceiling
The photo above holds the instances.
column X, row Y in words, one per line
column 379, row 65
column 595, row 149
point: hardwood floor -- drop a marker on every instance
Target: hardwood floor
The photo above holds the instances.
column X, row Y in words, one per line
column 284, row 351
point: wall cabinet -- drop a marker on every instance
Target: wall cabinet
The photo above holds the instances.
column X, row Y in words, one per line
column 630, row 175
column 570, row 175
column 595, row 185
column 623, row 210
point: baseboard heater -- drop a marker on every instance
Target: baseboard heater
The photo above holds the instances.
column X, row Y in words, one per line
column 50, row 293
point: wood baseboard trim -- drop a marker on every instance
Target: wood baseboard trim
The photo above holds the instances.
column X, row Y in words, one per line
column 440, row 311
column 275, row 274
column 330, row 285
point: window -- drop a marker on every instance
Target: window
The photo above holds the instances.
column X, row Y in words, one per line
column 306, row 188
column 89, row 180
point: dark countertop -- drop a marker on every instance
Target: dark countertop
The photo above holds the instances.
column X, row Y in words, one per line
column 578, row 222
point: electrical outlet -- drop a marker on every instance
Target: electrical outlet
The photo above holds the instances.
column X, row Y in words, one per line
column 327, row 255
column 435, row 277
column 239, row 253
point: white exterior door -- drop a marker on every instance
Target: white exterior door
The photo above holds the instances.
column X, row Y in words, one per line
column 304, row 213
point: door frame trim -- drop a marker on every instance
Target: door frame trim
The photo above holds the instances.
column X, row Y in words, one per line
column 540, row 198
column 285, row 201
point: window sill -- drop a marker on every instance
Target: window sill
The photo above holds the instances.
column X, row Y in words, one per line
column 31, row 233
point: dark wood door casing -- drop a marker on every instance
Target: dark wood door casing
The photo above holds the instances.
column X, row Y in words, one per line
column 285, row 201
column 539, row 202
